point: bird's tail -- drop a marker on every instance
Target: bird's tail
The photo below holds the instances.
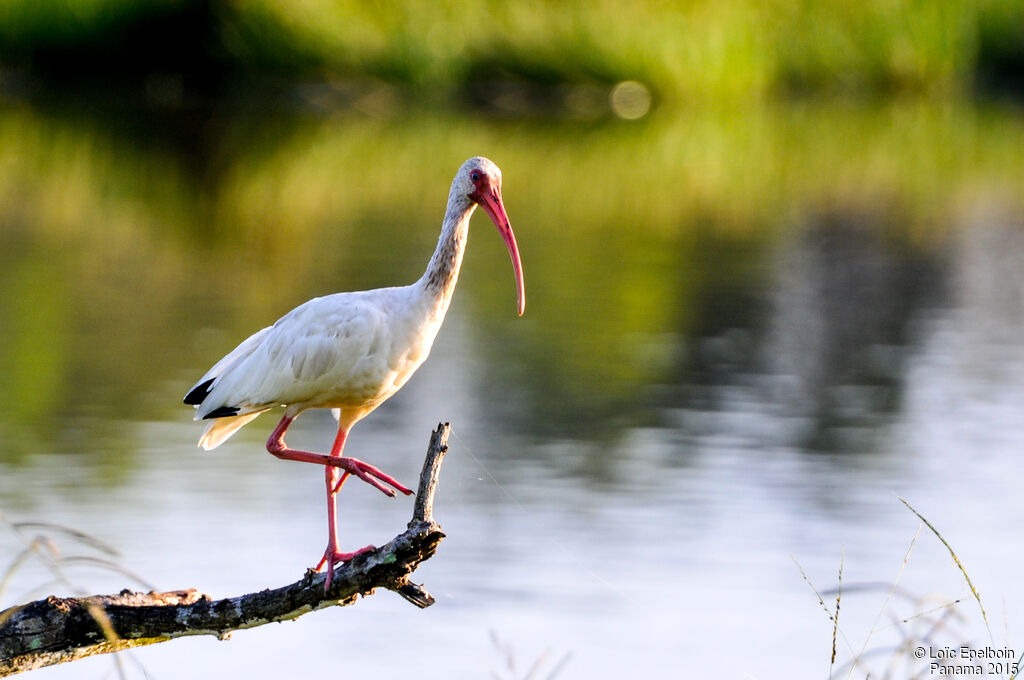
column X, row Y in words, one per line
column 219, row 429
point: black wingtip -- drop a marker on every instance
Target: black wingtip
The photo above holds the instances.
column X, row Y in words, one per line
column 222, row 412
column 199, row 393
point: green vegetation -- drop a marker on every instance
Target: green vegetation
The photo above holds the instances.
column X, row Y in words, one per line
column 625, row 228
column 681, row 50
column 229, row 214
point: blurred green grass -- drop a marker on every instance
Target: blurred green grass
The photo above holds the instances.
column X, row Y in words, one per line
column 681, row 50
column 624, row 228
column 768, row 114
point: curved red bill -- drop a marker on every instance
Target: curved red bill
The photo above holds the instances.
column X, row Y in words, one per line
column 490, row 200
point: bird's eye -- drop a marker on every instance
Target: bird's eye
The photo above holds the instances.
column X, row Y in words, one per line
column 475, row 176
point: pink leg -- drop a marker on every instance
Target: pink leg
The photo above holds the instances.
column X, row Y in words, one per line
column 337, row 469
column 332, row 555
column 364, row 471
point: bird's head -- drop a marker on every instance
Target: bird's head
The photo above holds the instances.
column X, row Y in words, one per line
column 480, row 180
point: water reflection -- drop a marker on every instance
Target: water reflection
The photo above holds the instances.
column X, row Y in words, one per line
column 735, row 351
column 843, row 307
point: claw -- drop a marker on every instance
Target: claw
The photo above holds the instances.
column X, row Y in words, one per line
column 332, row 557
column 367, row 473
column 333, row 463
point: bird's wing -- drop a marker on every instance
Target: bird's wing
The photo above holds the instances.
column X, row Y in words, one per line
column 198, row 393
column 330, row 348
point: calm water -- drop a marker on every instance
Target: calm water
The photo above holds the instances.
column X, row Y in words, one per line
column 722, row 372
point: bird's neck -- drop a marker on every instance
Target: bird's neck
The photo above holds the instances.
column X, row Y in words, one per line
column 438, row 281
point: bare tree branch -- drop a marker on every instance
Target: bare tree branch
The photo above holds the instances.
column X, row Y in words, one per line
column 55, row 630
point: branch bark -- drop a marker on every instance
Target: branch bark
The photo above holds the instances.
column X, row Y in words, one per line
column 56, row 630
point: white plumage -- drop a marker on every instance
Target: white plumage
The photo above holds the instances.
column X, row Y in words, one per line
column 349, row 351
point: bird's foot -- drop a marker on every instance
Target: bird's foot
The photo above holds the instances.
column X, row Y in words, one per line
column 368, row 473
column 332, row 557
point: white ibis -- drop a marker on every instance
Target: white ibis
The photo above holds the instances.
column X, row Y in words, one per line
column 349, row 352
